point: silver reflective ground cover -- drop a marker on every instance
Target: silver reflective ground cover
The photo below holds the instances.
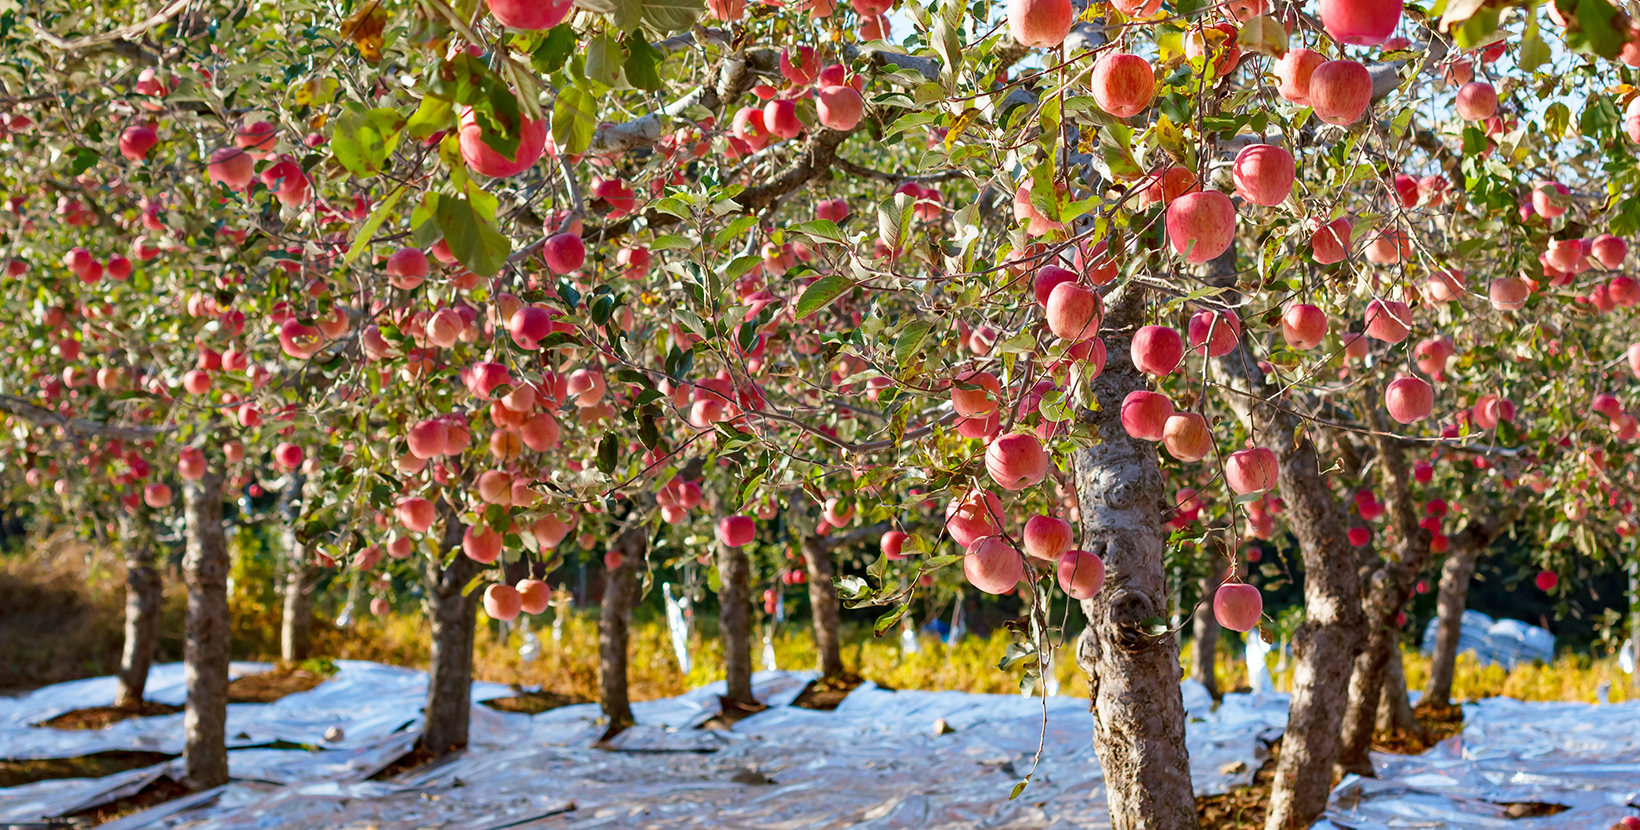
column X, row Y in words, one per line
column 1504, row 642
column 875, row 762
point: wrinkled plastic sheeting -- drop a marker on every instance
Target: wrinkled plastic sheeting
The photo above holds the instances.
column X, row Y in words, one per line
column 368, row 702
column 1585, row 757
column 1504, row 642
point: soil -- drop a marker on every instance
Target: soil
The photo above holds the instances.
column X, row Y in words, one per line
column 530, row 703
column 1243, row 808
column 1435, row 724
column 732, row 714
column 826, row 693
column 269, row 686
column 415, row 758
column 18, row 773
column 162, row 790
column 99, row 717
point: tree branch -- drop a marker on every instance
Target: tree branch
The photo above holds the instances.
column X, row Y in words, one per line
column 75, row 427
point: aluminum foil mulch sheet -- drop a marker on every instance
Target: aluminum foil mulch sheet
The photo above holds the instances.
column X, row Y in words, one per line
column 1581, row 756
column 874, row 762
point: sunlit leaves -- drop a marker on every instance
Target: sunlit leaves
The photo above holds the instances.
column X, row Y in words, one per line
column 363, row 140
column 469, row 229
column 574, row 118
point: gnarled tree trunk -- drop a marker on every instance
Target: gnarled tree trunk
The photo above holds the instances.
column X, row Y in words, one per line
column 296, row 624
column 615, row 618
column 454, row 619
column 144, row 593
column 206, row 638
column 823, row 602
column 1464, row 552
column 1204, row 629
column 735, row 623
column 1387, row 593
column 1394, row 710
column 1133, row 673
column 1326, row 643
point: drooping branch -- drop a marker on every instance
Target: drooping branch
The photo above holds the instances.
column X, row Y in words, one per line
column 122, row 33
column 75, row 427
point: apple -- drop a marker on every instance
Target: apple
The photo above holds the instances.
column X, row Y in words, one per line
column 1509, row 294
column 231, row 166
column 1303, row 326
column 891, row 544
column 1123, row 84
column 1223, row 327
column 1040, row 23
column 1144, row 414
column 993, row 566
column 502, row 602
column 973, row 517
column 1074, row 311
column 484, row 160
column 1187, row 437
column 415, row 513
column 1408, row 399
column 156, row 495
column 1156, row 350
column 136, row 141
column 1341, row 90
column 564, row 252
column 736, row 531
column 1331, row 242
column 1017, row 460
column 537, row 15
column 1081, row 574
column 1293, row 71
column 1388, row 320
column 1252, row 471
column 1263, row 174
column 1360, row 23
column 839, row 107
column 1046, row 537
column 973, row 403
column 1477, row 101
column 288, row 455
column 1238, row 606
column 1201, row 225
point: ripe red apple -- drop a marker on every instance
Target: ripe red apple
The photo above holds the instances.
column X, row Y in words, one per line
column 415, row 513
column 1510, row 294
column 780, row 116
column 136, row 141
column 288, row 455
column 1548, row 199
column 1477, row 101
column 1331, row 242
column 1251, row 471
column 1123, row 84
column 839, row 107
column 191, row 463
column 1074, row 311
column 534, row 595
column 231, row 166
column 1303, row 326
column 156, row 495
column 1263, row 174
column 971, row 403
column 502, row 602
column 1214, row 333
column 481, row 544
column 1609, row 249
column 1081, row 574
column 726, row 10
column 1547, row 580
column 891, row 543
column 1156, row 350
column 1431, row 355
column 735, row 531
column 973, row 517
column 549, row 531
column 1047, row 278
column 1186, row 436
column 1144, row 414
column 803, row 71
column 993, row 566
column 530, row 14
column 1388, row 320
column 483, row 159
column 1017, row 460
column 834, row 210
column 1360, row 22
column 1409, row 399
column 1293, row 72
column 1040, row 23
column 1046, row 537
column 1238, row 606
column 564, row 253
column 1341, row 90
column 1201, row 225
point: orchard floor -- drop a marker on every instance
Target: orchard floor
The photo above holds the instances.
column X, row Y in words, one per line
column 876, row 761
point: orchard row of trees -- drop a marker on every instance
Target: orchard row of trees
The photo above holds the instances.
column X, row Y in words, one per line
column 1065, row 294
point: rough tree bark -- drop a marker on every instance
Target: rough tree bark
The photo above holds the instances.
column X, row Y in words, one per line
column 1389, row 587
column 296, row 624
column 823, row 602
column 1204, row 629
column 1133, row 674
column 206, row 638
column 615, row 618
column 1326, row 643
column 454, row 618
column 735, row 623
column 1465, row 549
column 144, row 592
column 1394, row 710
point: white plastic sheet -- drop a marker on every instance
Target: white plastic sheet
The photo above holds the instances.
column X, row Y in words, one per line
column 1504, row 642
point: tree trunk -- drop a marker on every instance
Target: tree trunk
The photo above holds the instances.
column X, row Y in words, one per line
column 615, row 618
column 823, row 602
column 144, row 593
column 1204, row 628
column 1327, row 641
column 205, row 651
column 1394, row 710
column 735, row 622
column 1465, row 551
column 454, row 619
column 296, row 625
column 1133, row 673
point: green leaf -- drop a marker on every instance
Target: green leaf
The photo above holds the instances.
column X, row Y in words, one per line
column 604, row 59
column 906, row 345
column 558, row 45
column 820, row 294
column 608, row 453
column 889, row 620
column 433, row 114
column 363, row 141
column 1533, row 51
column 1478, row 30
column 475, row 242
column 671, row 242
column 472, row 584
column 643, row 62
column 361, row 242
column 81, row 160
column 1592, row 30
column 823, row 229
column 574, row 119
column 734, row 229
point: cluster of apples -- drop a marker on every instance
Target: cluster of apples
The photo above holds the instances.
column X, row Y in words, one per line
column 994, row 565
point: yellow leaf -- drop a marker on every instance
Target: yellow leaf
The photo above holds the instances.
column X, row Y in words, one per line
column 365, row 29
